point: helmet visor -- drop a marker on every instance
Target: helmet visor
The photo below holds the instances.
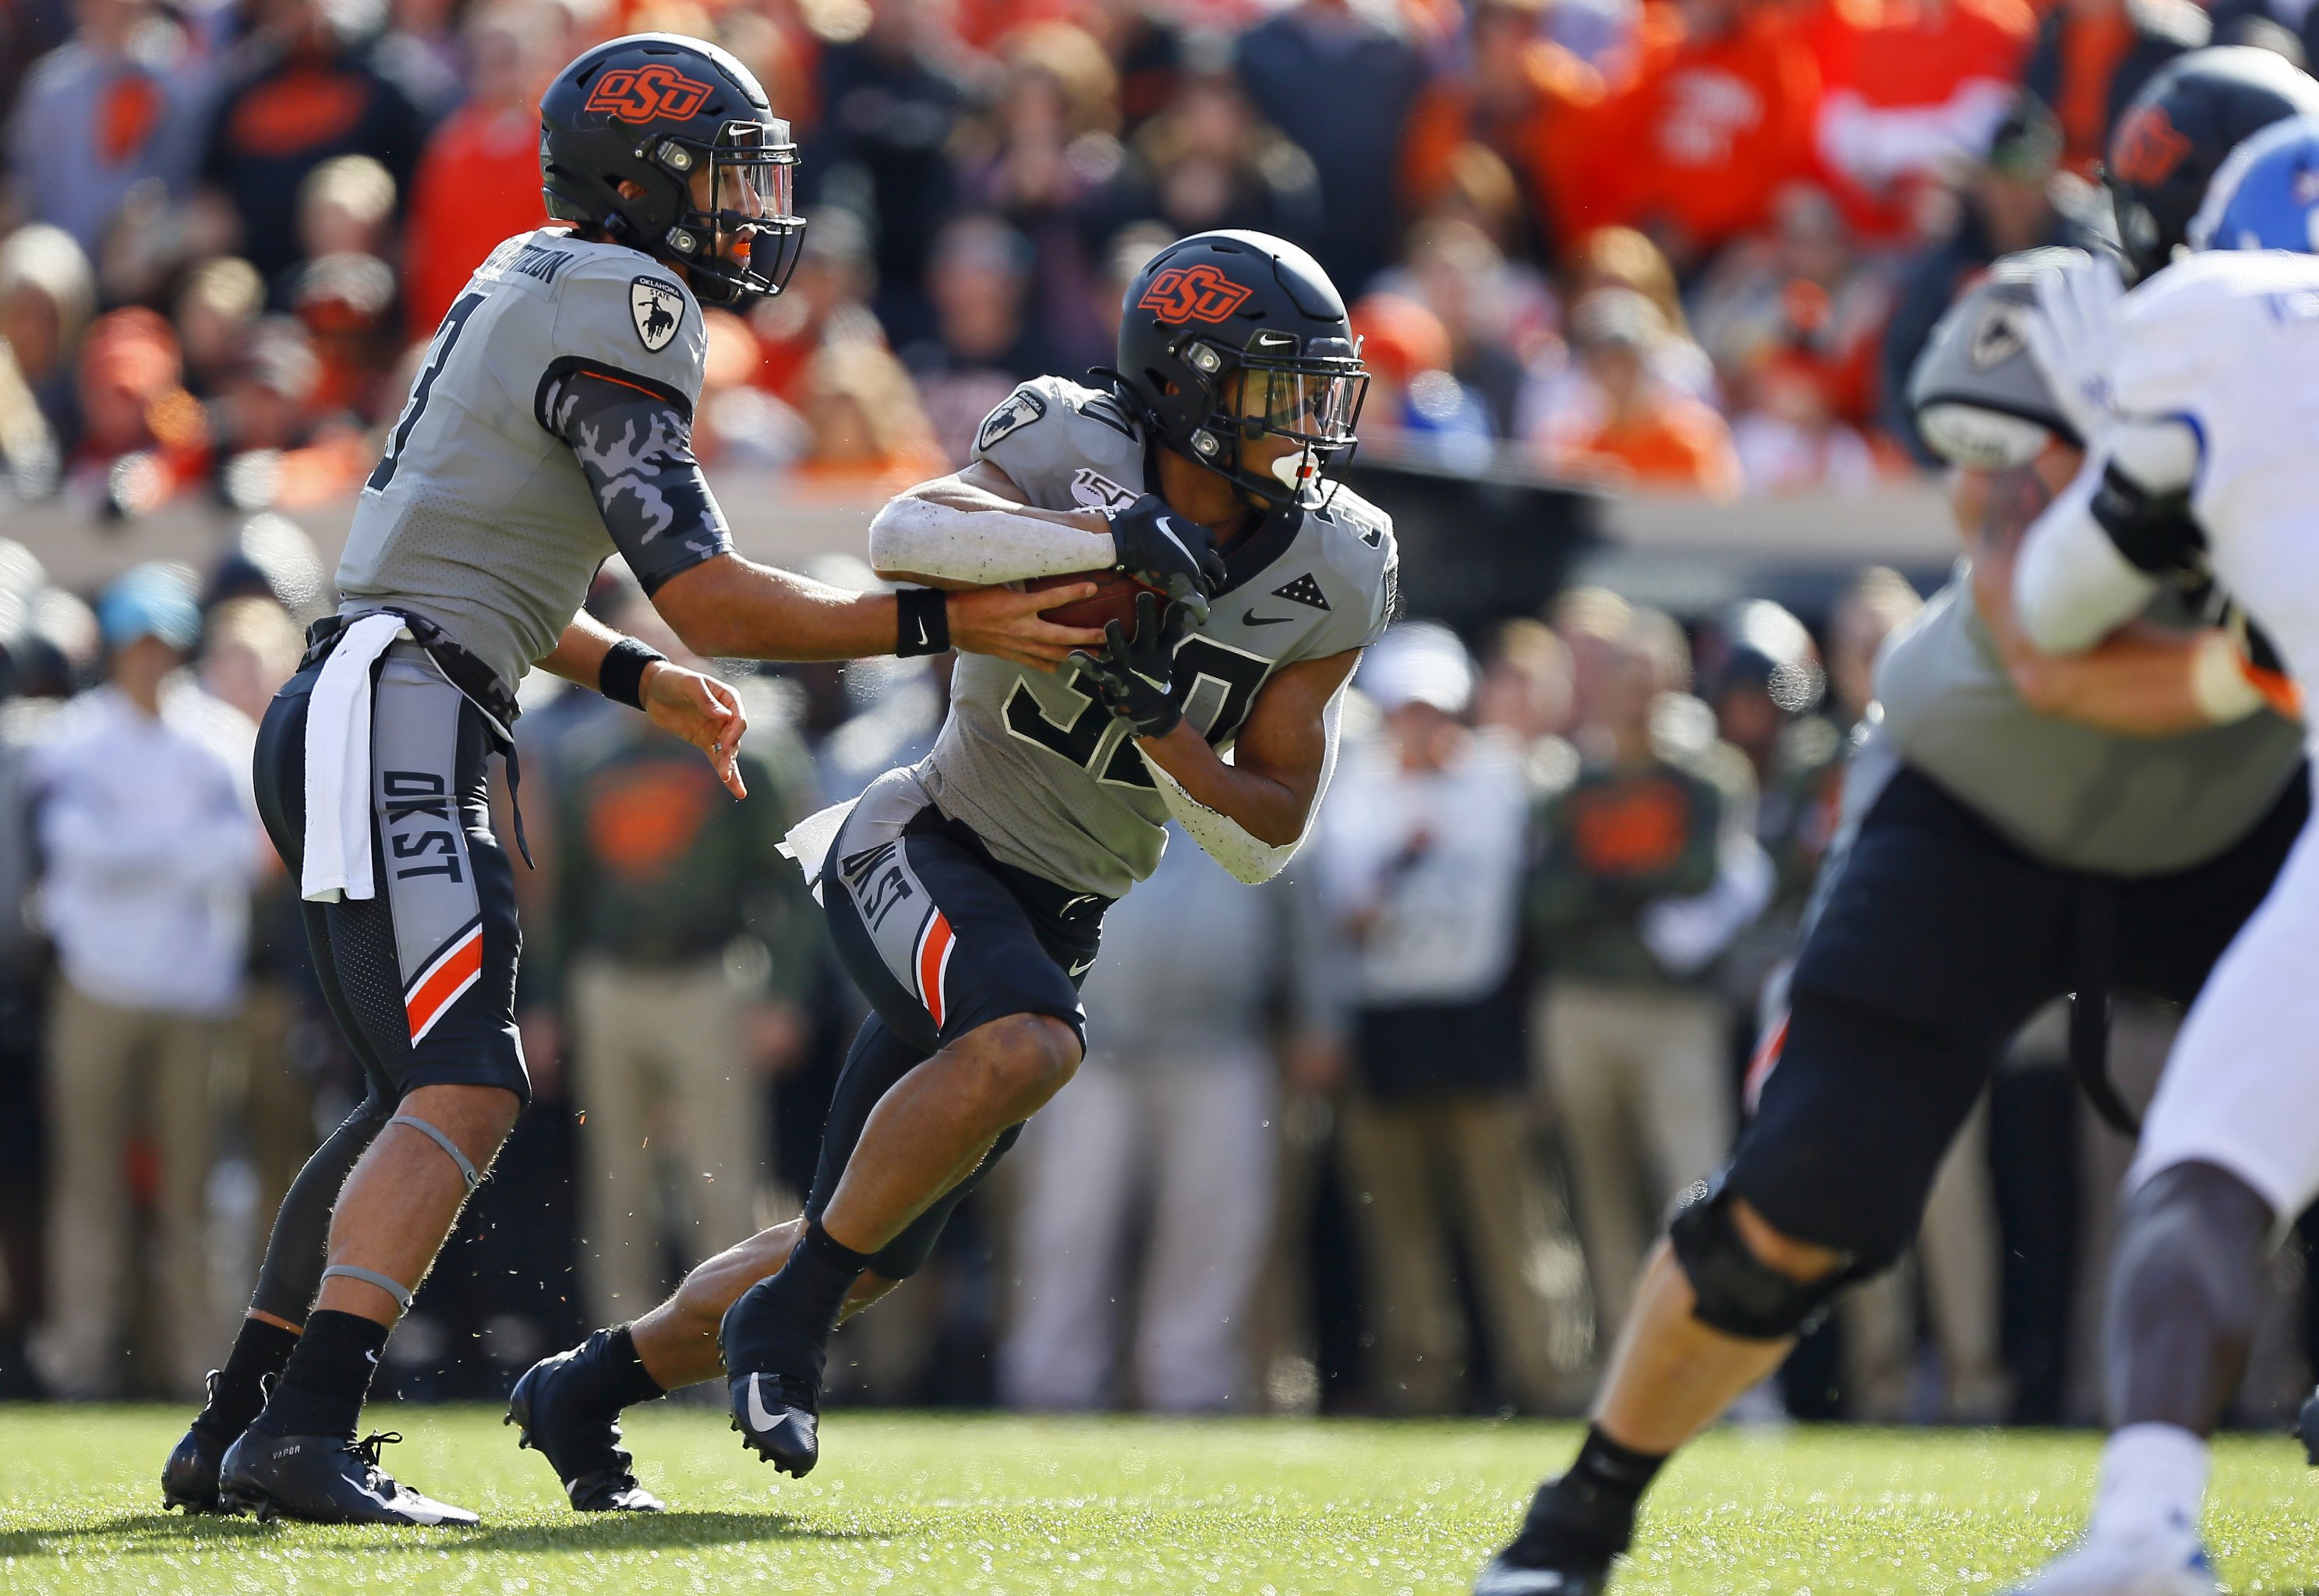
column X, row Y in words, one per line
column 751, row 207
column 1317, row 407
column 752, row 176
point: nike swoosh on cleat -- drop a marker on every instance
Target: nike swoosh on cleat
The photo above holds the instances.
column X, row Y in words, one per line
column 758, row 1416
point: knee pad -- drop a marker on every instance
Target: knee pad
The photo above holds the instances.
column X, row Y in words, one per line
column 1737, row 1292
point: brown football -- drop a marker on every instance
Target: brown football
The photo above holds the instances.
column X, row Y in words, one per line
column 1113, row 598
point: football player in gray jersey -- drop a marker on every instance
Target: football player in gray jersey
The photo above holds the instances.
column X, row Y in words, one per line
column 2017, row 826
column 548, row 427
column 965, row 894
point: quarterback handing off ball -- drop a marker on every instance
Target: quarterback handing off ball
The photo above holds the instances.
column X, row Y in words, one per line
column 1113, row 598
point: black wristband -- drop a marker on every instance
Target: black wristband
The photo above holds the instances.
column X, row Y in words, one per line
column 621, row 677
column 921, row 621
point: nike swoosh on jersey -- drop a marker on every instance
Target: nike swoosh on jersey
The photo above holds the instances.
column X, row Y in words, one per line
column 1082, row 967
column 1253, row 619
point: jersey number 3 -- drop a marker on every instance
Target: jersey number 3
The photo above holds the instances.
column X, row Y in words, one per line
column 437, row 352
column 1216, row 688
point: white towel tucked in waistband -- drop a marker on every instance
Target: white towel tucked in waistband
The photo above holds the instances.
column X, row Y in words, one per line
column 337, row 764
column 809, row 840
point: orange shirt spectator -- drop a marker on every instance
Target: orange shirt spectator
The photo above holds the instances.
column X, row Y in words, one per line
column 1518, row 100
column 144, row 439
column 1715, row 118
column 478, row 180
column 1634, row 429
column 478, row 183
column 1911, row 87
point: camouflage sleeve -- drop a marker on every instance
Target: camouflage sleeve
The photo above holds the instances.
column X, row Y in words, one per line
column 633, row 438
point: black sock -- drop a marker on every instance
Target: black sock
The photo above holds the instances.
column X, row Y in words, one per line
column 782, row 1325
column 609, row 1375
column 1610, row 1475
column 321, row 1390
column 260, row 1351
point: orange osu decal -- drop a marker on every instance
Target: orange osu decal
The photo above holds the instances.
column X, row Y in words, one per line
column 641, row 93
column 2147, row 146
column 1193, row 293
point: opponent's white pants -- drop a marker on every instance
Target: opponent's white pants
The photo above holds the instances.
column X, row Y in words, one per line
column 2242, row 1090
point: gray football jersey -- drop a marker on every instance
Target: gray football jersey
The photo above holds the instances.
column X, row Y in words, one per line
column 484, row 520
column 1049, row 780
column 2064, row 792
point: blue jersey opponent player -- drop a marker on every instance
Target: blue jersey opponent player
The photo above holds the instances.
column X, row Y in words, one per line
column 549, row 425
column 965, row 894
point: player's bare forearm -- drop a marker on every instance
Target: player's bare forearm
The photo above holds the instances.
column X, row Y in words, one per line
column 729, row 607
column 1268, row 788
column 578, row 655
column 2137, row 682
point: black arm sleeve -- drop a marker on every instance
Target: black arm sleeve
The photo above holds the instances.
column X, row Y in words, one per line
column 633, row 438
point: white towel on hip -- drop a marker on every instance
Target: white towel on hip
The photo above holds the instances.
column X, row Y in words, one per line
column 808, row 841
column 337, row 764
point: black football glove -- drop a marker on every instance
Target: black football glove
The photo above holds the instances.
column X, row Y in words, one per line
column 1157, row 546
column 1136, row 676
column 2155, row 533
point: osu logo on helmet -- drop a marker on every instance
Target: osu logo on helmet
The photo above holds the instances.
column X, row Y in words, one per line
column 644, row 93
column 2149, row 147
column 1193, row 293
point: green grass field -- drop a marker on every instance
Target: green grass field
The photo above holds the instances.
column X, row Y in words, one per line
column 912, row 1503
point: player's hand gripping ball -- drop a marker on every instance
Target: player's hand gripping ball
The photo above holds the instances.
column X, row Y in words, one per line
column 1162, row 550
column 1134, row 676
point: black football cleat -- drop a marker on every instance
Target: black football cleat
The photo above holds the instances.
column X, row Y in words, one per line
column 585, row 1450
column 189, row 1480
column 779, row 1417
column 2306, row 1425
column 323, row 1479
column 1565, row 1548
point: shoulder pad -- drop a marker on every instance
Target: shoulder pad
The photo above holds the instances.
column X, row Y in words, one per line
column 1358, row 517
column 1356, row 541
column 625, row 310
column 1067, row 446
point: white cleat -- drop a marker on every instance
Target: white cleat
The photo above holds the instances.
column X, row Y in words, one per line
column 2165, row 1559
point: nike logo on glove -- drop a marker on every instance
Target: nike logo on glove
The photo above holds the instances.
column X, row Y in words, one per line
column 1169, row 533
column 1253, row 619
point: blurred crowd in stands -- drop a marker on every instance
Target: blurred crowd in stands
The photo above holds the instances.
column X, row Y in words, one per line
column 1685, row 243
column 1390, row 1134
column 1394, row 1132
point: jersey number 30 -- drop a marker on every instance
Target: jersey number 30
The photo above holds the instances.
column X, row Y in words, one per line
column 1216, row 688
column 437, row 352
